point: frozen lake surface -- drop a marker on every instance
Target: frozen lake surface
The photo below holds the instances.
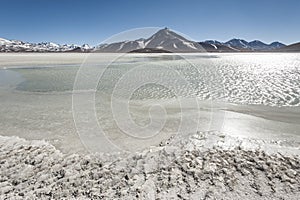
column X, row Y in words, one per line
column 246, row 95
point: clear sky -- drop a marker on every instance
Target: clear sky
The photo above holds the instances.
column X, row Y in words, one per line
column 92, row 21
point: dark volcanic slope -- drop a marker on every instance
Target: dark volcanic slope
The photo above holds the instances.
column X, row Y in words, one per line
column 291, row 48
column 150, row 50
column 217, row 47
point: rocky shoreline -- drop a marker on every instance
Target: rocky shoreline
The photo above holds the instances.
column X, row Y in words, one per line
column 195, row 168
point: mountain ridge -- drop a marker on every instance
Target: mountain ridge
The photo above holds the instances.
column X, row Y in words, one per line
column 243, row 45
column 165, row 40
column 20, row 46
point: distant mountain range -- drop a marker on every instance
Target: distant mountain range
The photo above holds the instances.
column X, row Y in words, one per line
column 164, row 40
column 20, row 46
column 242, row 45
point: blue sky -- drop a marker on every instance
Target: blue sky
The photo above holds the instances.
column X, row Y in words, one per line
column 92, row 21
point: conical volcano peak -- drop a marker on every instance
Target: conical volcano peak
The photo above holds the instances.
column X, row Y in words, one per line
column 164, row 31
column 163, row 39
column 166, row 34
column 169, row 40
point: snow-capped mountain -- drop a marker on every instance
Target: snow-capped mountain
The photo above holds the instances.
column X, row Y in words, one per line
column 163, row 39
column 237, row 43
column 125, row 46
column 86, row 47
column 215, row 46
column 171, row 41
column 254, row 45
column 243, row 45
column 20, row 46
column 276, row 45
column 4, row 41
column 258, row 45
column 213, row 42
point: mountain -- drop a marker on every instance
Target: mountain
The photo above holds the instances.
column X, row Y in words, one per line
column 243, row 45
column 121, row 47
column 216, row 47
column 276, row 45
column 163, row 39
column 171, row 41
column 168, row 40
column 238, row 44
column 4, row 41
column 20, row 46
column 258, row 45
column 214, row 42
column 290, row 48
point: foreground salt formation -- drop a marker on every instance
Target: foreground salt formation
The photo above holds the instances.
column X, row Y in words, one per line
column 205, row 166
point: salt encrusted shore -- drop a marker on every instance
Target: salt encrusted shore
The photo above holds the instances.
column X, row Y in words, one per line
column 203, row 166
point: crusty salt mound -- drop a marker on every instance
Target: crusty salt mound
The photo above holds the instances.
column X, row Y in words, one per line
column 195, row 168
